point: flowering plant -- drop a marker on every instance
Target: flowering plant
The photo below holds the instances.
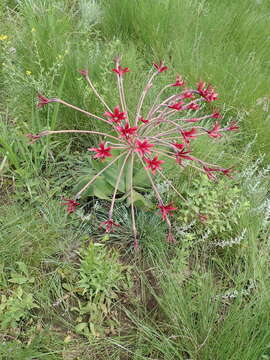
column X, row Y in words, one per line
column 148, row 138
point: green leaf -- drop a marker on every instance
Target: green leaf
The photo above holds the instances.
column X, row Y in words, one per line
column 111, row 174
column 102, row 189
column 18, row 280
column 141, row 179
column 22, row 267
column 81, row 327
column 138, row 200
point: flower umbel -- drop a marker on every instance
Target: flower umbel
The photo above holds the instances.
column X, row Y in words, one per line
column 163, row 136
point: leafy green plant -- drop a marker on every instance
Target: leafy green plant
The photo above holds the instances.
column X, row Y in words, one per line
column 22, row 276
column 223, row 218
column 101, row 279
column 16, row 308
column 16, row 305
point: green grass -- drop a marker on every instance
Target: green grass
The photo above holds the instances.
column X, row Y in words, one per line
column 222, row 42
column 196, row 300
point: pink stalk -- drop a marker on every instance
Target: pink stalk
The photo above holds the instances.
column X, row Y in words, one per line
column 156, row 192
column 170, row 184
column 160, row 140
column 121, row 89
column 165, row 154
column 117, row 184
column 134, row 229
column 50, row 132
column 96, row 93
column 124, row 98
column 145, row 91
column 156, row 100
column 165, row 102
column 82, row 111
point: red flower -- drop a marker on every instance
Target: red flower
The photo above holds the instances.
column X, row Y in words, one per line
column 160, row 68
column 178, row 146
column 120, row 71
column 216, row 115
column 182, row 155
column 208, row 93
column 108, row 225
column 209, row 174
column 71, row 205
column 187, row 95
column 233, row 126
column 193, row 106
column 227, row 172
column 101, row 152
column 154, row 164
column 145, row 121
column 179, row 81
column 177, row 106
column 214, row 133
column 202, row 218
column 200, row 87
column 209, row 171
column 127, row 131
column 83, row 72
column 191, row 134
column 211, row 95
column 33, row 138
column 43, row 101
column 166, row 210
column 143, row 147
column 116, row 116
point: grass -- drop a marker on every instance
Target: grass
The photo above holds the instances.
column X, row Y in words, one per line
column 197, row 300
